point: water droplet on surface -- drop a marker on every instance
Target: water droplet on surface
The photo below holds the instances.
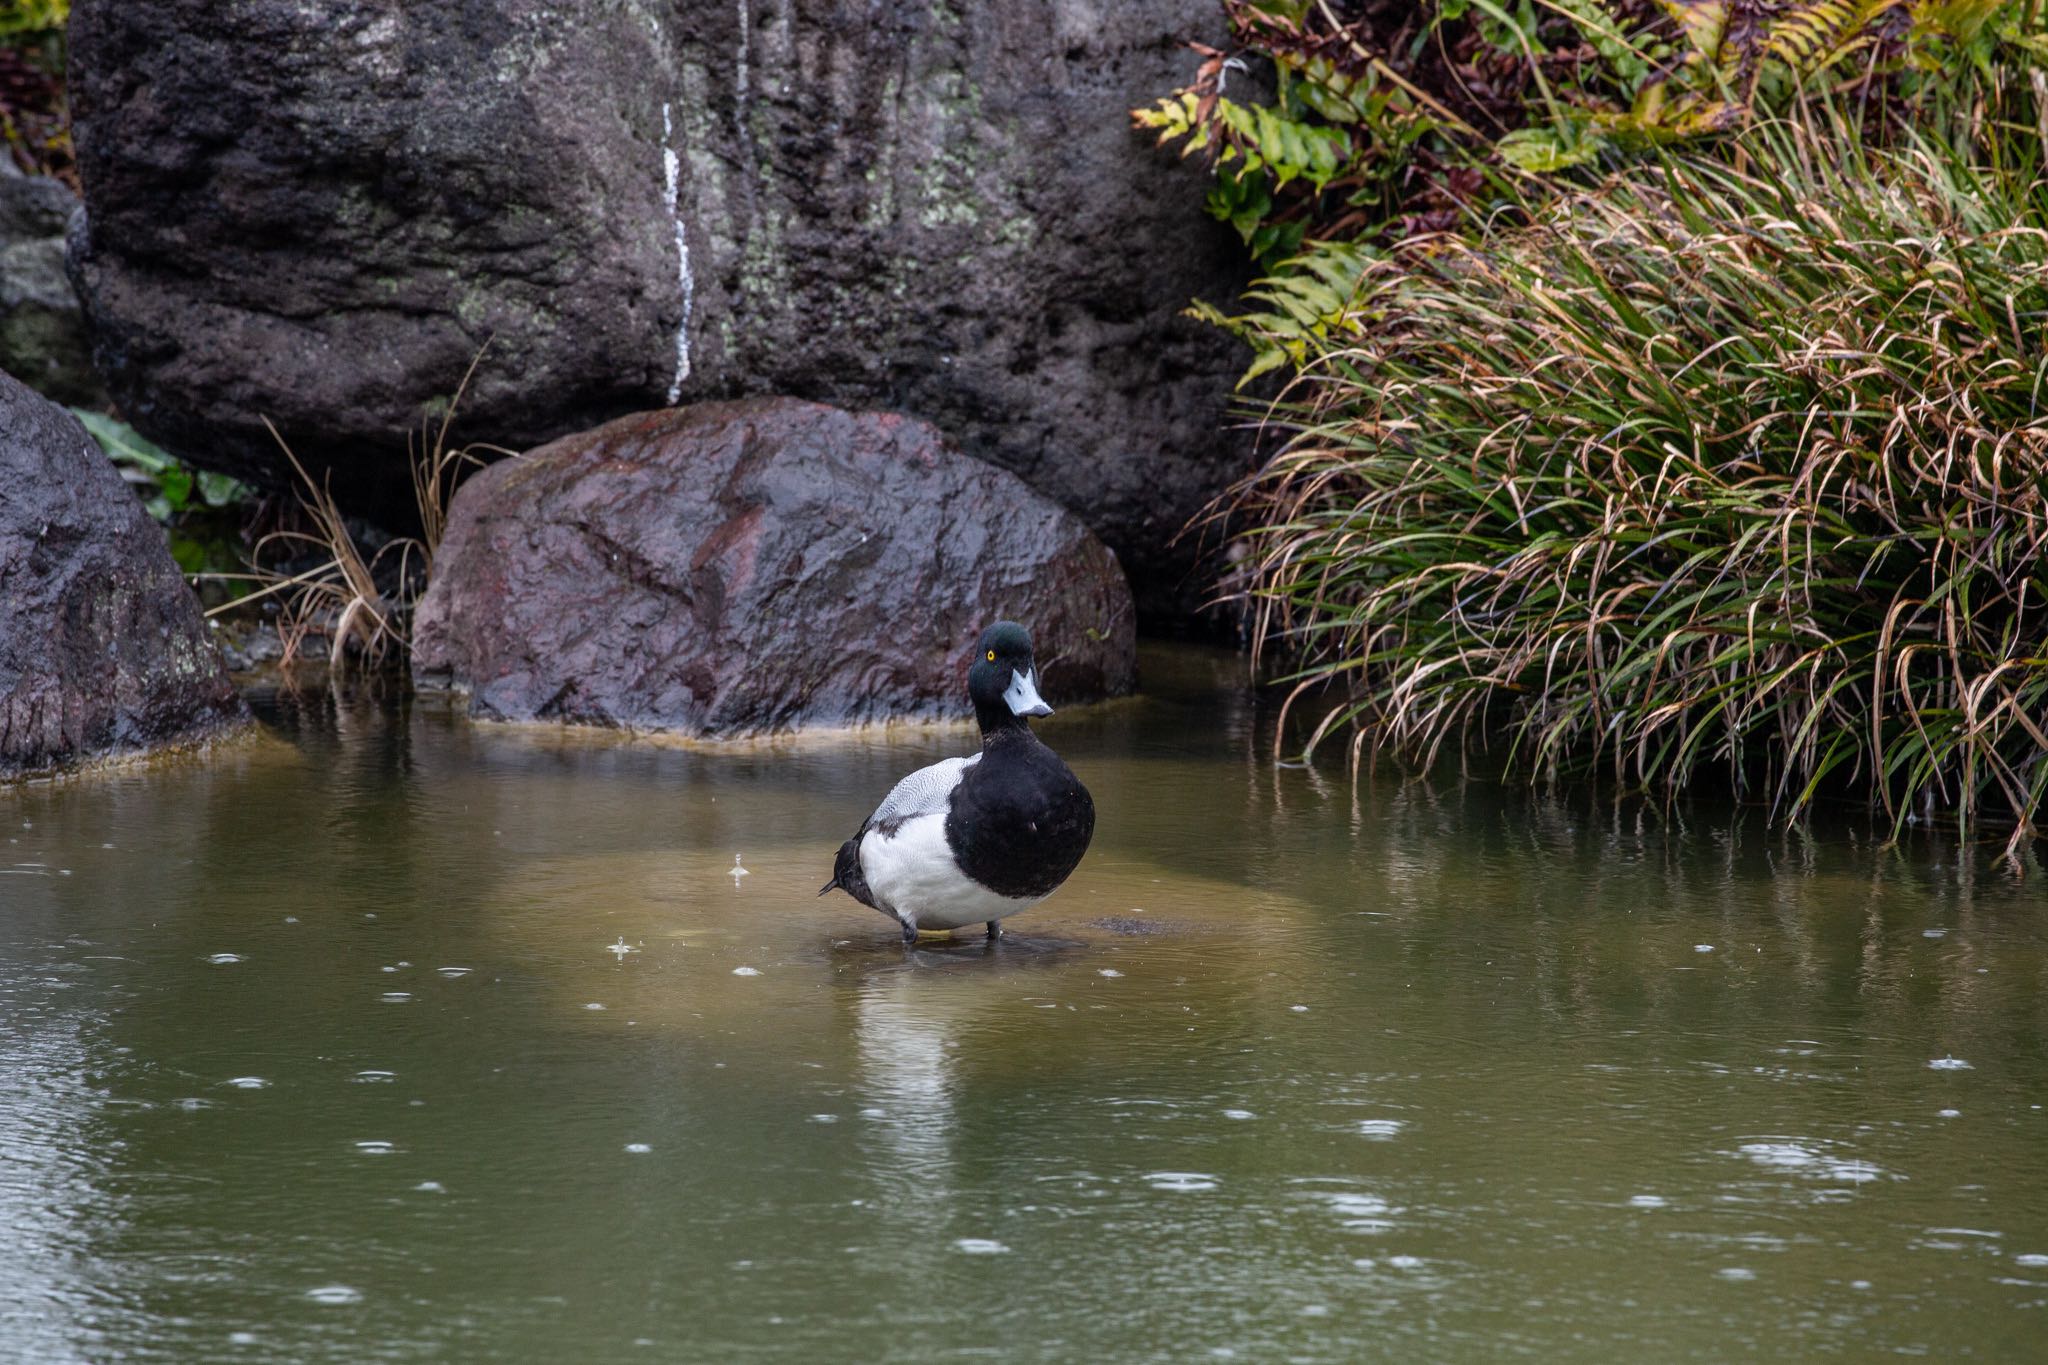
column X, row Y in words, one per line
column 1181, row 1182
column 1948, row 1113
column 375, row 1147
column 1809, row 1160
column 373, row 1077
column 874, row 1113
column 745, row 971
column 824, row 1118
column 1380, row 1130
column 1934, row 933
column 1366, row 1213
column 248, row 1083
column 1703, row 947
column 638, row 1148
column 1736, row 1272
column 1784, row 1156
column 223, row 959
column 1949, row 1064
column 979, row 1246
column 1239, row 1114
column 452, row 972
column 335, row 1294
column 1647, row 1201
column 396, row 997
column 1109, row 971
column 431, row 1187
column 1299, row 1009
column 1405, row 1262
column 593, row 1005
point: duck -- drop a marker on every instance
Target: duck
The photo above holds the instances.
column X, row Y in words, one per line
column 975, row 839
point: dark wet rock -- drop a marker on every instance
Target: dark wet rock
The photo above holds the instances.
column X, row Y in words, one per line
column 248, row 643
column 758, row 565
column 42, row 332
column 102, row 647
column 318, row 210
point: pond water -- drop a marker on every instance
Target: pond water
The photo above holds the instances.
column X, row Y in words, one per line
column 396, row 1037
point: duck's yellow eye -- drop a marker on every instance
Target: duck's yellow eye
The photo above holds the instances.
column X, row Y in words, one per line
column 991, row 656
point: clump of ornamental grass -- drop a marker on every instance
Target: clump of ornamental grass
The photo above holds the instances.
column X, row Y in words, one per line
column 1731, row 464
column 343, row 597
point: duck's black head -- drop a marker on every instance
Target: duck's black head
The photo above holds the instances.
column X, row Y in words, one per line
column 1004, row 679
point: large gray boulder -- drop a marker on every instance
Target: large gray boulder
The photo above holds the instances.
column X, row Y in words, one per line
column 43, row 341
column 102, row 647
column 319, row 210
column 753, row 566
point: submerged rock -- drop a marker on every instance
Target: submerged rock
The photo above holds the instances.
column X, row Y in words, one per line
column 754, row 566
column 42, row 332
column 102, row 646
column 318, row 211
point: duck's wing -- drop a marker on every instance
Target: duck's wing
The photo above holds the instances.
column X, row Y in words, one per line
column 927, row 791
column 924, row 792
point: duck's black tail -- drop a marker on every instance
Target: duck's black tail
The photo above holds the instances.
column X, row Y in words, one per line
column 846, row 874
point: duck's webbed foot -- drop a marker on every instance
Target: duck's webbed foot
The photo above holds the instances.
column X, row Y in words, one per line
column 995, row 930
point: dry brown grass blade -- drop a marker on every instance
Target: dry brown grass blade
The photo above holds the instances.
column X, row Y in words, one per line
column 340, row 597
column 437, row 469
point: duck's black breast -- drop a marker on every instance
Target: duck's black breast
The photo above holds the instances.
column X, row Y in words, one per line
column 1020, row 820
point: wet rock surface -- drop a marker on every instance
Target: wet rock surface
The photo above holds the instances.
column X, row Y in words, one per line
column 102, row 647
column 43, row 340
column 755, row 566
column 319, row 210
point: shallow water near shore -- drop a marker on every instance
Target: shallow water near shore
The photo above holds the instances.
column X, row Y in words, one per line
column 405, row 1038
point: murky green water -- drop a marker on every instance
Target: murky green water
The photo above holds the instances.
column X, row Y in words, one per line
column 322, row 1051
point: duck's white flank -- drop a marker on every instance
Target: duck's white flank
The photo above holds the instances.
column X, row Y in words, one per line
column 908, row 865
column 913, row 875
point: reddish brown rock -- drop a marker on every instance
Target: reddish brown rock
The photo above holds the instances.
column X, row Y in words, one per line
column 754, row 566
column 102, row 646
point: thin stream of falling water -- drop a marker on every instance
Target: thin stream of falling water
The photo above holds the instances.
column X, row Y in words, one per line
column 671, row 198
